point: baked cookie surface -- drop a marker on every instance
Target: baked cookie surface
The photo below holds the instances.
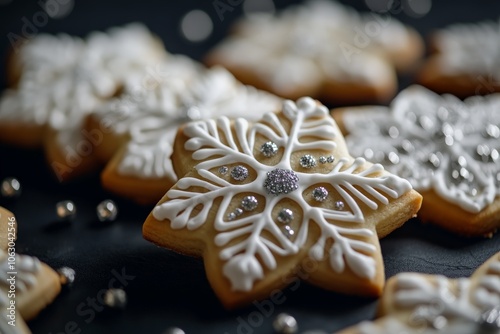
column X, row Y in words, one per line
column 466, row 60
column 259, row 200
column 447, row 149
column 320, row 49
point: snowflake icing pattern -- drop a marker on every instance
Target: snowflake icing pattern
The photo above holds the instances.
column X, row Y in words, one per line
column 246, row 258
column 443, row 304
column 436, row 142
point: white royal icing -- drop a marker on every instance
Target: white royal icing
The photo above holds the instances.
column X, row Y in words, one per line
column 435, row 142
column 65, row 78
column 472, row 48
column 441, row 305
column 25, row 268
column 247, row 258
column 309, row 43
column 184, row 91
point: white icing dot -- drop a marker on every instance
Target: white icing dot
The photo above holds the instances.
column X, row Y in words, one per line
column 196, row 26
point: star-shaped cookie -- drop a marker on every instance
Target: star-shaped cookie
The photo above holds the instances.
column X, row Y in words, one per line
column 448, row 149
column 61, row 79
column 141, row 125
column 260, row 200
column 430, row 304
column 322, row 49
column 466, row 60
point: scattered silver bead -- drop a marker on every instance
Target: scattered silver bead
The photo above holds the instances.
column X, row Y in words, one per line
column 11, row 187
column 249, row 203
column 238, row 211
column 320, row 194
column 339, row 205
column 322, row 160
column 223, row 170
column 281, row 181
column 66, row 210
column 288, row 231
column 285, row 324
column 231, row 216
column 307, row 161
column 66, row 275
column 269, row 149
column 107, row 210
column 239, row 173
column 174, row 330
column 285, row 216
column 115, row 298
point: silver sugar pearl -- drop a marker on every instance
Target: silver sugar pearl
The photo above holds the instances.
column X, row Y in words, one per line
column 288, row 231
column 285, row 324
column 281, row 181
column 238, row 211
column 115, row 298
column 66, row 275
column 249, row 203
column 223, row 170
column 107, row 211
column 174, row 330
column 11, row 187
column 307, row 161
column 492, row 131
column 434, row 160
column 320, row 194
column 322, row 160
column 339, row 205
column 66, row 210
column 330, row 159
column 231, row 216
column 285, row 216
column 269, row 149
column 239, row 173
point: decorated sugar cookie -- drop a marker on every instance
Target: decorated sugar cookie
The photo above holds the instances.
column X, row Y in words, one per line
column 466, row 60
column 448, row 150
column 141, row 125
column 430, row 304
column 322, row 49
column 260, row 200
column 26, row 287
column 60, row 79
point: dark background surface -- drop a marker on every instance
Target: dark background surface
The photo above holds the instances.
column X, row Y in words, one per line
column 169, row 289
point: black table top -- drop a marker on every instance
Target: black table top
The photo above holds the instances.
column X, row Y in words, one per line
column 166, row 289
